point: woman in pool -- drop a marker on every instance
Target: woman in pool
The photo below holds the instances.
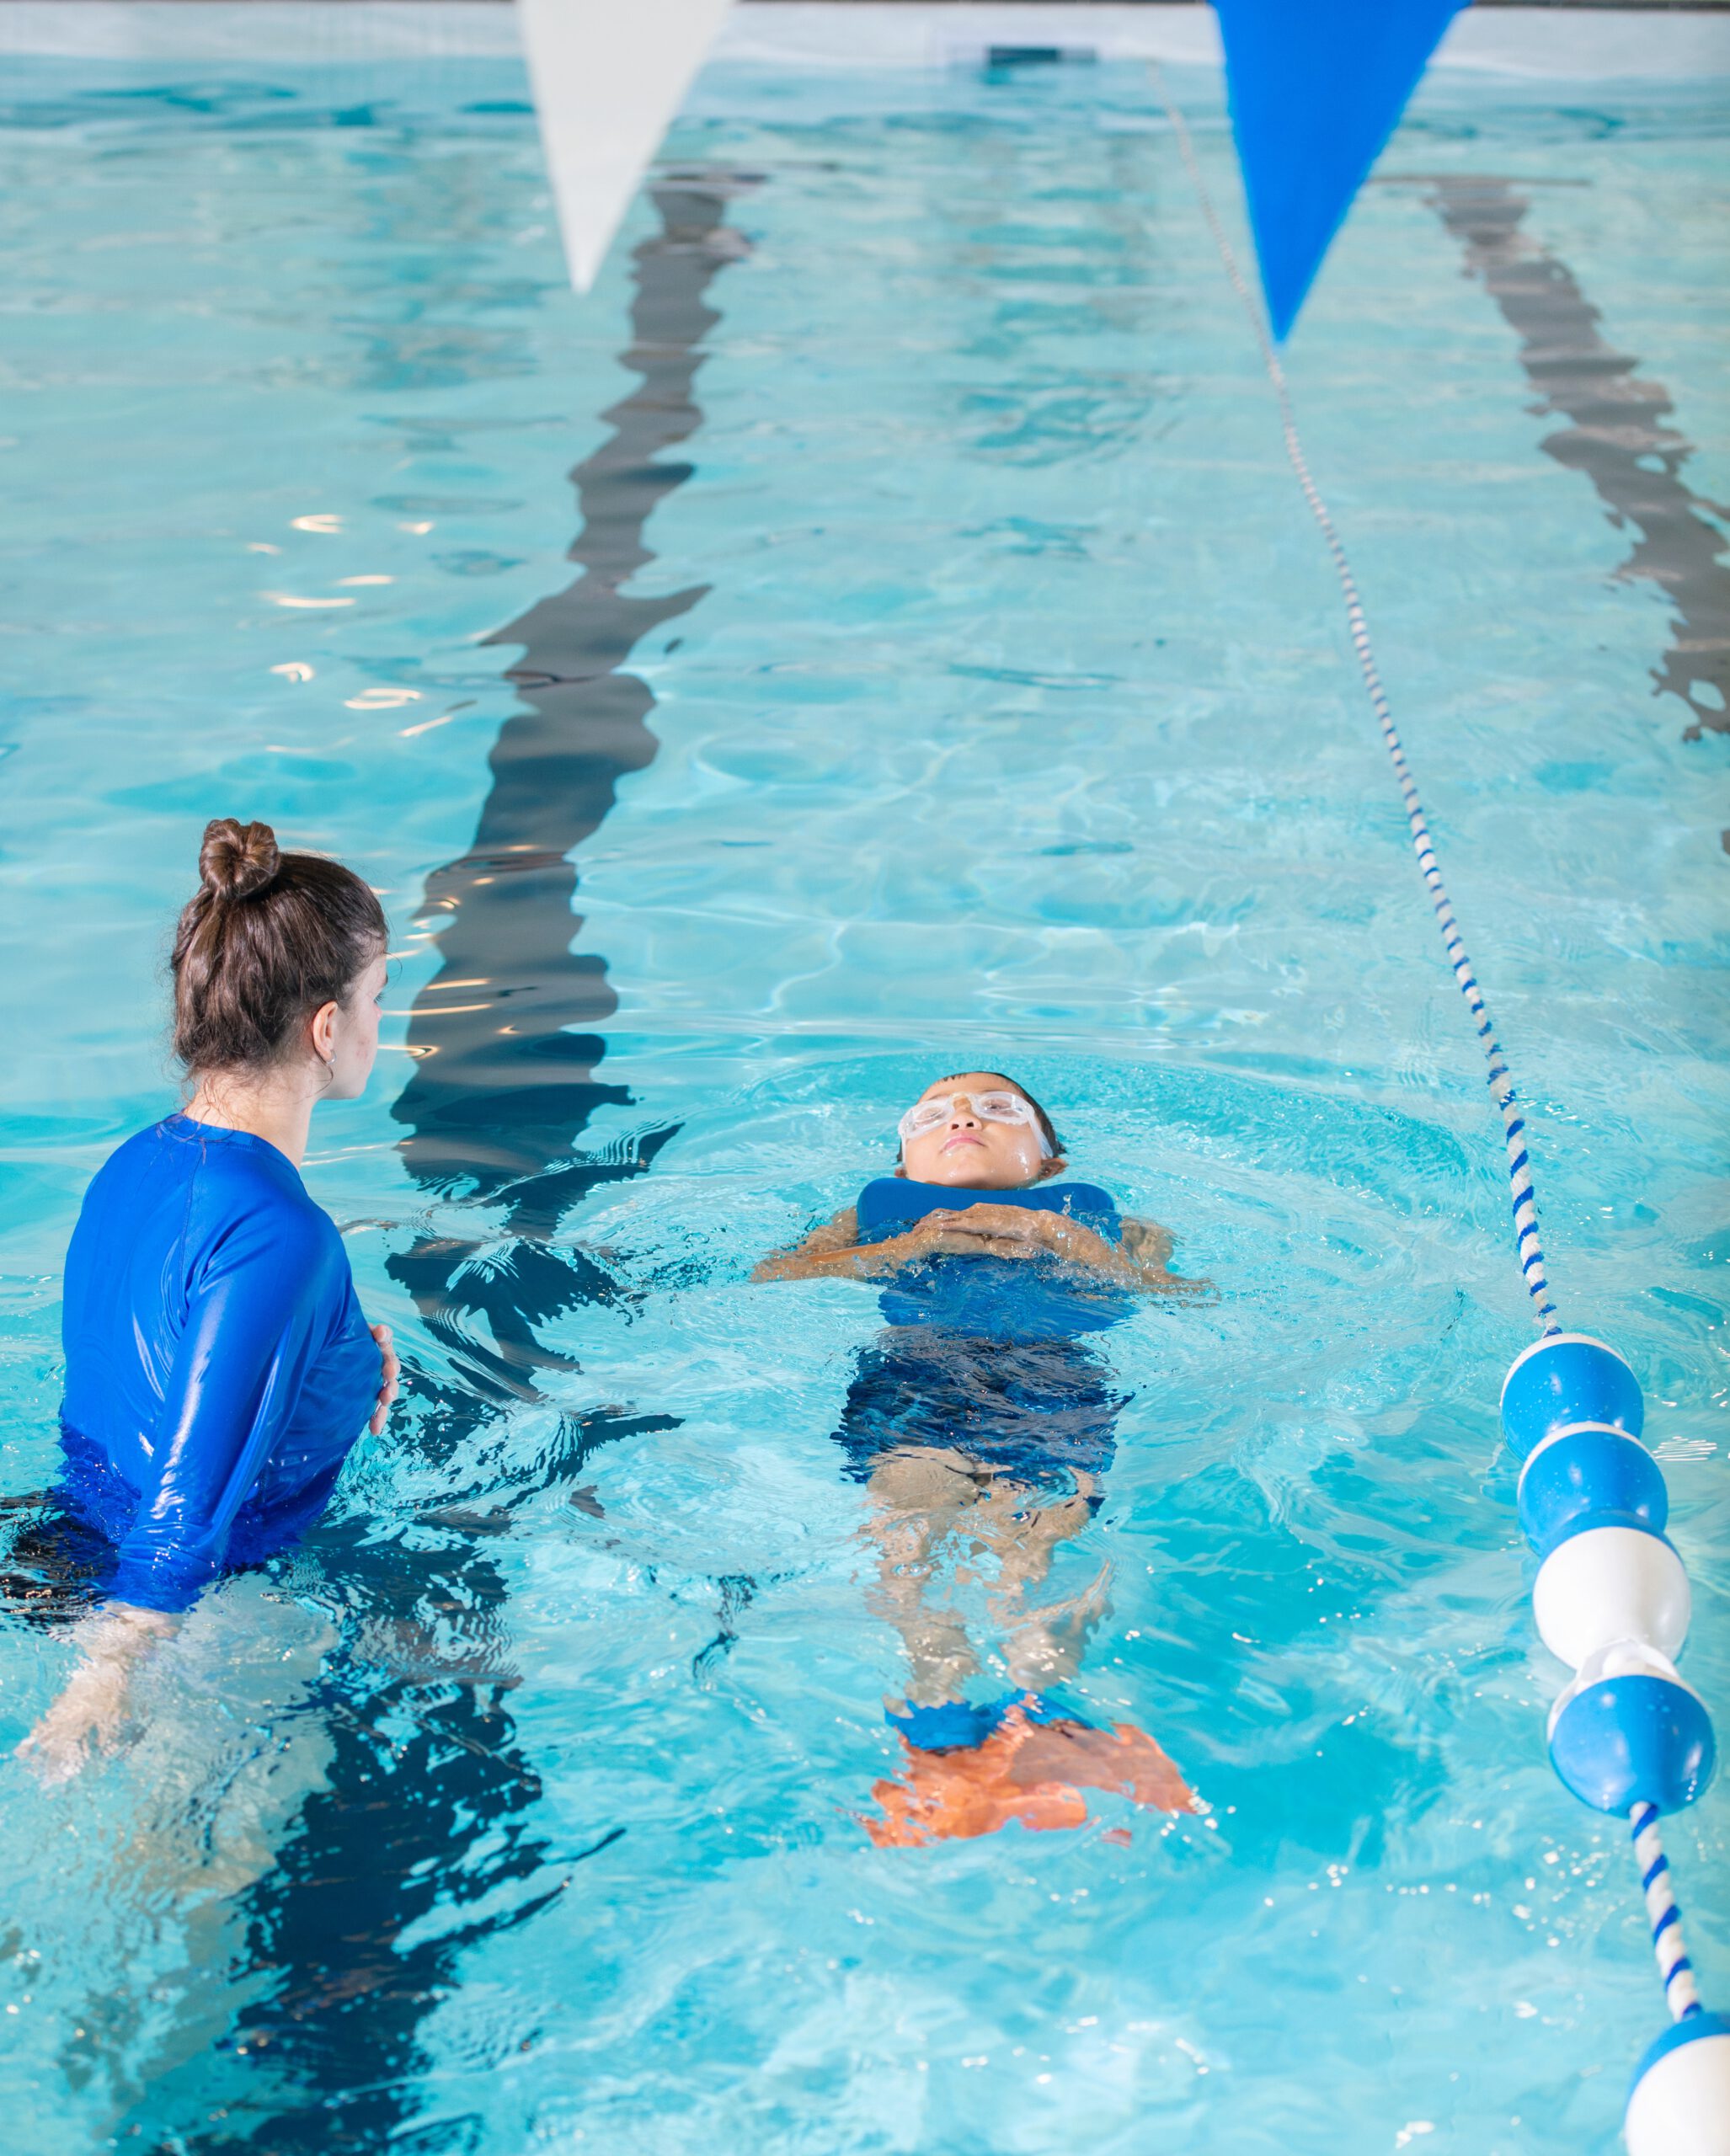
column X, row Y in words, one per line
column 218, row 1367
column 981, row 1413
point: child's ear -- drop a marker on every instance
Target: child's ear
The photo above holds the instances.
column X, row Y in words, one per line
column 1055, row 1166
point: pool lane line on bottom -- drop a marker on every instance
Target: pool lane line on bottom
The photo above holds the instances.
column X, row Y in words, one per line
column 1618, row 434
column 502, row 1036
column 1611, row 1597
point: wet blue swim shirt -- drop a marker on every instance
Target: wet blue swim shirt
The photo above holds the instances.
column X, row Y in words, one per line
column 986, row 1356
column 218, row 1367
column 893, row 1203
column 987, row 1298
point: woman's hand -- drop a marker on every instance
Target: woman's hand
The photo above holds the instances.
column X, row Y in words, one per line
column 94, row 1706
column 391, row 1370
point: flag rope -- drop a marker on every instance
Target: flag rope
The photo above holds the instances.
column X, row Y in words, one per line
column 1529, row 1248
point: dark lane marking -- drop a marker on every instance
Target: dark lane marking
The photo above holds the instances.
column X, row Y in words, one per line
column 504, row 1075
column 1618, row 439
column 420, row 1842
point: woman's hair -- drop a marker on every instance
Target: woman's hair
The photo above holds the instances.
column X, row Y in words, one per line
column 267, row 939
column 1052, row 1141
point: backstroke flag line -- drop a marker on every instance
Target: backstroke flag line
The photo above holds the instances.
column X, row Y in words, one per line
column 608, row 76
column 1317, row 87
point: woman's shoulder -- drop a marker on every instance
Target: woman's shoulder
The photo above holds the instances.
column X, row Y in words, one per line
column 245, row 1197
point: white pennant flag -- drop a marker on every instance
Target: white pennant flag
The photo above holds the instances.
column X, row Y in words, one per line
column 608, row 76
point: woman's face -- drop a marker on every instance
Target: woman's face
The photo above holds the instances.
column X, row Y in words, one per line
column 970, row 1150
column 351, row 1040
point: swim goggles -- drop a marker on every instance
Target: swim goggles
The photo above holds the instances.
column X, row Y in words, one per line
column 997, row 1106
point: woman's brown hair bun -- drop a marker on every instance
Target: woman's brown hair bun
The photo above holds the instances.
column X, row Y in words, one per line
column 237, row 859
column 265, row 940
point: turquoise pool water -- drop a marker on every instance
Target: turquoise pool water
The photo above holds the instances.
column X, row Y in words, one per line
column 967, row 686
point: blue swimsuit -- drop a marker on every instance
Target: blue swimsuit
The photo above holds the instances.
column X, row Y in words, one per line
column 218, row 1369
column 985, row 1356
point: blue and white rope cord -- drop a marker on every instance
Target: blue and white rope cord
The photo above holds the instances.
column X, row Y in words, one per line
column 1613, row 1737
column 1528, row 1246
column 1674, row 1966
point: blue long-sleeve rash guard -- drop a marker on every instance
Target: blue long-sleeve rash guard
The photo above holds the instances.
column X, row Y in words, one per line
column 218, row 1367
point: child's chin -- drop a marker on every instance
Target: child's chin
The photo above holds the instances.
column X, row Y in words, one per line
column 978, row 1174
column 960, row 1173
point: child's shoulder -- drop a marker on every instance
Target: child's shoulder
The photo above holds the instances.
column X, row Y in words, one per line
column 1078, row 1196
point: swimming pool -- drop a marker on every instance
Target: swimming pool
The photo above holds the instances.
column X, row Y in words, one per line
column 953, row 675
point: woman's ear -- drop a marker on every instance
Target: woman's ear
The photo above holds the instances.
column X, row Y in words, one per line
column 322, row 1031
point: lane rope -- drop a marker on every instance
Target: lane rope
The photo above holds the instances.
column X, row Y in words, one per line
column 1681, row 1994
column 1528, row 1249
column 1676, row 1971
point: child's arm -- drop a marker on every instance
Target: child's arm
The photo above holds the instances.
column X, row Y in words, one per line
column 1148, row 1248
column 834, row 1252
column 1139, row 1263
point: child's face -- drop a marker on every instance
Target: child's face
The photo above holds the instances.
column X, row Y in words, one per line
column 970, row 1150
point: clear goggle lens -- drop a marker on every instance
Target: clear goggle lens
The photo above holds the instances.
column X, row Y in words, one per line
column 994, row 1106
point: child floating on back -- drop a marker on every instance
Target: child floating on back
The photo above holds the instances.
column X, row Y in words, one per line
column 981, row 1415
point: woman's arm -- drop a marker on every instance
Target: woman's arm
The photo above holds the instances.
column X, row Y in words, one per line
column 92, row 1707
column 257, row 1314
column 255, row 1318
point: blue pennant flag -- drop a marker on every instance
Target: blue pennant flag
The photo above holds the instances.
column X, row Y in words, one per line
column 1317, row 87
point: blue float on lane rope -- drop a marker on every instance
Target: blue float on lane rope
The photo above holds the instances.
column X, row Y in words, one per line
column 1564, row 1379
column 1641, row 1738
column 1589, row 1469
